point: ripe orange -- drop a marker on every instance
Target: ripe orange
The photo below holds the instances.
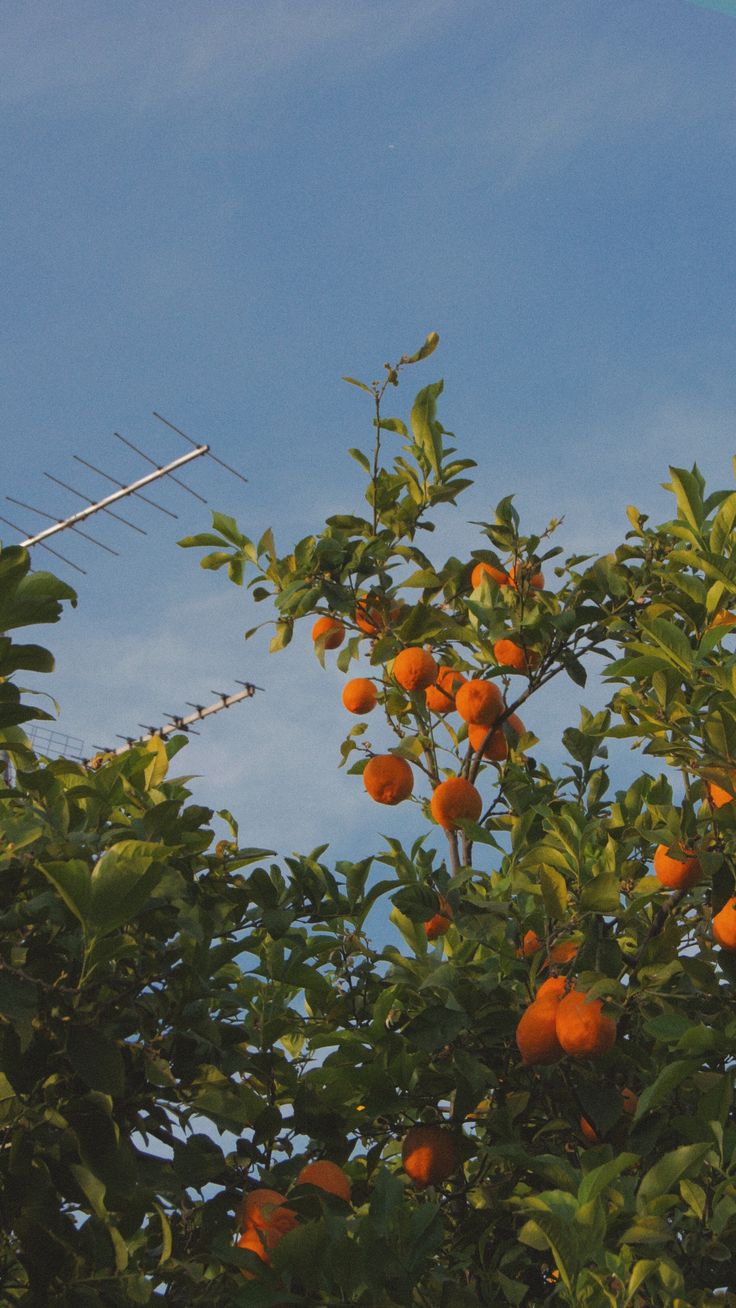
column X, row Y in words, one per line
column 429, row 1154
column 453, row 799
column 510, row 655
column 536, row 1033
column 717, row 795
column 373, row 616
column 252, row 1239
column 262, row 1207
column 359, row 695
column 326, row 1176
column 497, row 748
column 552, row 989
column 676, row 873
column 479, row 702
column 563, row 952
column 723, row 618
column 488, row 570
column 439, row 925
column 724, row 925
column 414, row 669
column 521, row 571
column 332, row 630
column 388, row 779
column 583, row 1029
column 529, row 945
column 441, row 696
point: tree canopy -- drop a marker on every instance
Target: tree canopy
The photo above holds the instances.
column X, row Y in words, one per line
column 528, row 1091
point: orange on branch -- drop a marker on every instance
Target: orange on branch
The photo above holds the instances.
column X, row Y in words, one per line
column 523, row 572
column 583, row 1029
column 259, row 1208
column 332, row 630
column 516, row 724
column 676, row 873
column 441, row 696
column 717, row 795
column 388, row 779
column 439, row 925
column 414, row 669
column 479, row 702
column 253, row 1240
column 326, row 1176
column 373, row 615
column 724, row 925
column 554, row 989
column 359, row 695
column 482, row 570
column 529, row 945
column 453, row 799
column 536, row 1033
column 497, row 748
column 508, row 654
column 429, row 1154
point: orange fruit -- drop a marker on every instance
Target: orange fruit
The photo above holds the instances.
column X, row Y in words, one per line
column 497, row 748
column 453, row 799
column 326, row 1176
column 429, row 1154
column 717, row 795
column 519, row 571
column 516, row 724
column 723, row 618
column 439, row 925
column 553, row 988
column 388, row 779
column 536, row 1033
column 529, row 945
column 479, row 702
column 251, row 1239
column 589, row 1131
column 359, row 695
column 414, row 669
column 510, row 655
column 629, row 1101
column 373, row 615
column 583, row 1029
column 676, row 873
column 563, row 952
column 332, row 630
column 260, row 1208
column 488, row 570
column 441, row 696
column 724, row 925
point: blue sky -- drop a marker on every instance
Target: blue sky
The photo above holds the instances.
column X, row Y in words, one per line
column 216, row 210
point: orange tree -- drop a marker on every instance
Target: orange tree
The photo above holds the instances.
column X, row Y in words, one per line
column 526, row 1100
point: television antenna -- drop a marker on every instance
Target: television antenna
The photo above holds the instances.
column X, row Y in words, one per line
column 124, row 490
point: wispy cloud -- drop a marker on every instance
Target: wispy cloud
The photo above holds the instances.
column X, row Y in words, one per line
column 182, row 49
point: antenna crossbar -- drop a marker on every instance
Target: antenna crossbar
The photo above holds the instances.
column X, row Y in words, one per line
column 184, row 723
column 116, row 495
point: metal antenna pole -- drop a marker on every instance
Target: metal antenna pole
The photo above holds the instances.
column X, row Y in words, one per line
column 116, row 495
column 121, row 484
column 42, row 514
column 56, row 553
column 179, row 723
column 199, row 449
column 179, row 432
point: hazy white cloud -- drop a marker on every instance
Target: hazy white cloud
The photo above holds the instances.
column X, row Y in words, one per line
column 178, row 49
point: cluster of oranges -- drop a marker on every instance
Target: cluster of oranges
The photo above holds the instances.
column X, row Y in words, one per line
column 265, row 1216
column 429, row 1156
column 388, row 778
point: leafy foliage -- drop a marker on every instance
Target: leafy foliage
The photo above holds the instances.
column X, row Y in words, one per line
column 179, row 1025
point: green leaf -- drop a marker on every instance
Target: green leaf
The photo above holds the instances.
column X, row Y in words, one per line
column 602, row 895
column 92, row 1188
column 723, row 524
column 96, row 1059
column 596, row 1181
column 424, row 351
column 360, row 458
column 424, row 427
column 353, row 381
column 167, row 1242
column 669, row 1078
column 554, row 892
column 689, row 496
column 667, row 1171
column 671, row 640
column 122, row 882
